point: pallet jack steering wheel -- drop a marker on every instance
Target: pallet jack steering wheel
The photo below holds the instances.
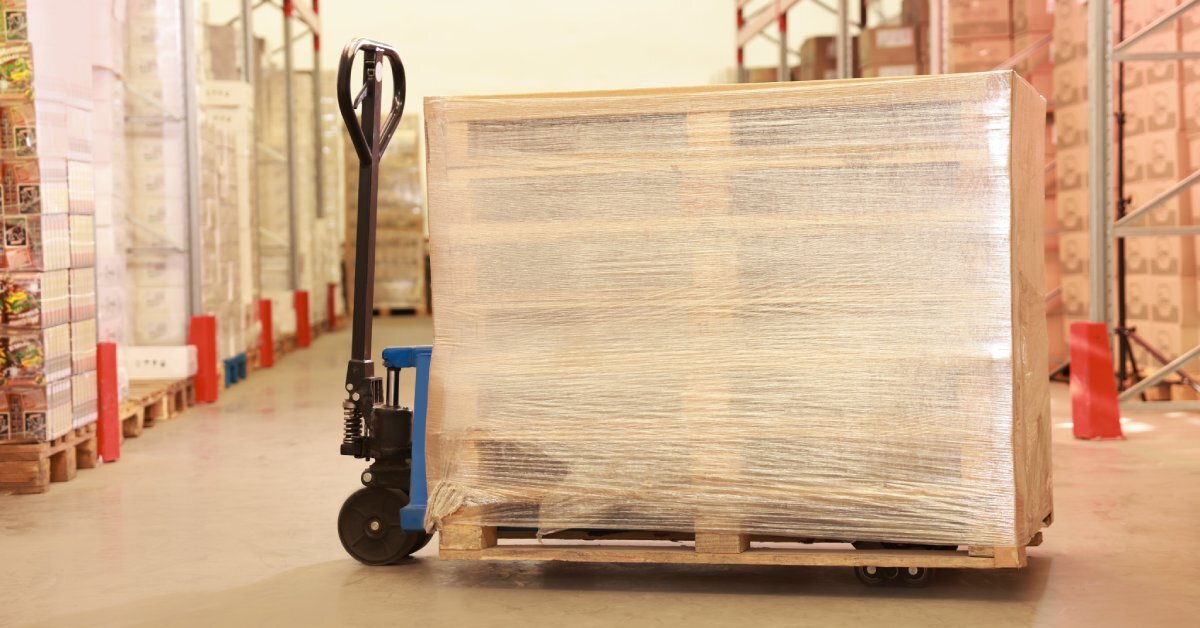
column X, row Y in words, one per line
column 375, row 428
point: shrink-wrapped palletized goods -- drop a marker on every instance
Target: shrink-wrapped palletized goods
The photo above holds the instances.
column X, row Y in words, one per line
column 812, row 310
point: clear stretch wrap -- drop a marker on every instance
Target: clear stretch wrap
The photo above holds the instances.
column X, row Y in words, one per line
column 811, row 310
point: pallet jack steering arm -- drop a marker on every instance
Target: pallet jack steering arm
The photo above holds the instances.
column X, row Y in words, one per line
column 370, row 138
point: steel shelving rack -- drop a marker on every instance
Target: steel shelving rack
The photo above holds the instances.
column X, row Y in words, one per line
column 1109, row 223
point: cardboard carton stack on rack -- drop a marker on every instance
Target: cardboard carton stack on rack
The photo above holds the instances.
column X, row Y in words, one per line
column 271, row 189
column 1071, row 156
column 899, row 49
column 400, row 223
column 226, row 145
column 48, row 308
column 157, row 274
column 1161, row 270
column 979, row 34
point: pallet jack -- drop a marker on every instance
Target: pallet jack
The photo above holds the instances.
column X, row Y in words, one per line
column 383, row 522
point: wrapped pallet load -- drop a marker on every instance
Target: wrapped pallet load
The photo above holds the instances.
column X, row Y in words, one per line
column 811, row 311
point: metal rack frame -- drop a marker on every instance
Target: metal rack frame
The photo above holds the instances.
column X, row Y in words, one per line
column 1109, row 224
column 755, row 25
column 309, row 19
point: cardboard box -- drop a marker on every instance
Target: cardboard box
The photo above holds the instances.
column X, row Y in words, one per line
column 1156, row 155
column 892, row 46
column 1073, row 252
column 83, row 346
column 914, row 12
column 1070, row 31
column 1191, row 107
column 1075, row 296
column 34, row 186
column 83, row 293
column 1173, row 300
column 1140, row 73
column 818, row 58
column 979, row 54
column 84, row 399
column 978, row 18
column 1154, row 107
column 163, row 362
column 1070, row 83
column 1071, row 168
column 34, row 357
column 1172, row 256
column 1139, row 252
column 1071, row 125
column 37, row 412
column 83, row 240
column 1032, row 15
column 1139, row 296
column 35, row 300
column 36, row 242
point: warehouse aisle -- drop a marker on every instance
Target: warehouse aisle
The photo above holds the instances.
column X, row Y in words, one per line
column 226, row 517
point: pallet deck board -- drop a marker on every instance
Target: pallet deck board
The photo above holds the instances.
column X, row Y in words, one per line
column 751, row 556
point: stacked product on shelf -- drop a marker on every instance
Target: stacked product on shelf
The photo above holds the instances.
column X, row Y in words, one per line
column 226, row 106
column 1071, row 156
column 273, row 209
column 400, row 223
column 979, row 34
column 818, row 58
column 1161, row 270
column 47, row 253
column 157, row 277
column 899, row 50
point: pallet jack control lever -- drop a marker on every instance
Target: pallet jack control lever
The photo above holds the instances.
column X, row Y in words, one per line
column 370, row 139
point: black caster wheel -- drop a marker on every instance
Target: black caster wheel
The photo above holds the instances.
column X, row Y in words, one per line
column 915, row 577
column 875, row 576
column 369, row 527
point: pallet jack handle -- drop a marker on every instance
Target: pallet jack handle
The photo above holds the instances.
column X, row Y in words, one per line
column 370, row 140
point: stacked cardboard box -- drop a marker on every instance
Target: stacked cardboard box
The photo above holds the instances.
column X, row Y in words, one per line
column 157, row 277
column 979, row 33
column 271, row 188
column 893, row 51
column 47, row 311
column 1071, row 159
column 227, row 137
column 1158, row 152
column 818, row 58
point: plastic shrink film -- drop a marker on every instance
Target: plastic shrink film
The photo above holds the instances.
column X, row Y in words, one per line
column 808, row 310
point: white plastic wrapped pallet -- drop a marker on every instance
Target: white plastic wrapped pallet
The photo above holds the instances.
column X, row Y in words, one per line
column 806, row 310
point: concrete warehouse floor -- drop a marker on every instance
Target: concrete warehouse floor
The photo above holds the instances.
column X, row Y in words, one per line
column 226, row 517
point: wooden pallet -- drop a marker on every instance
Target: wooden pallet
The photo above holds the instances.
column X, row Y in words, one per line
column 470, row 542
column 151, row 401
column 29, row 466
column 285, row 344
